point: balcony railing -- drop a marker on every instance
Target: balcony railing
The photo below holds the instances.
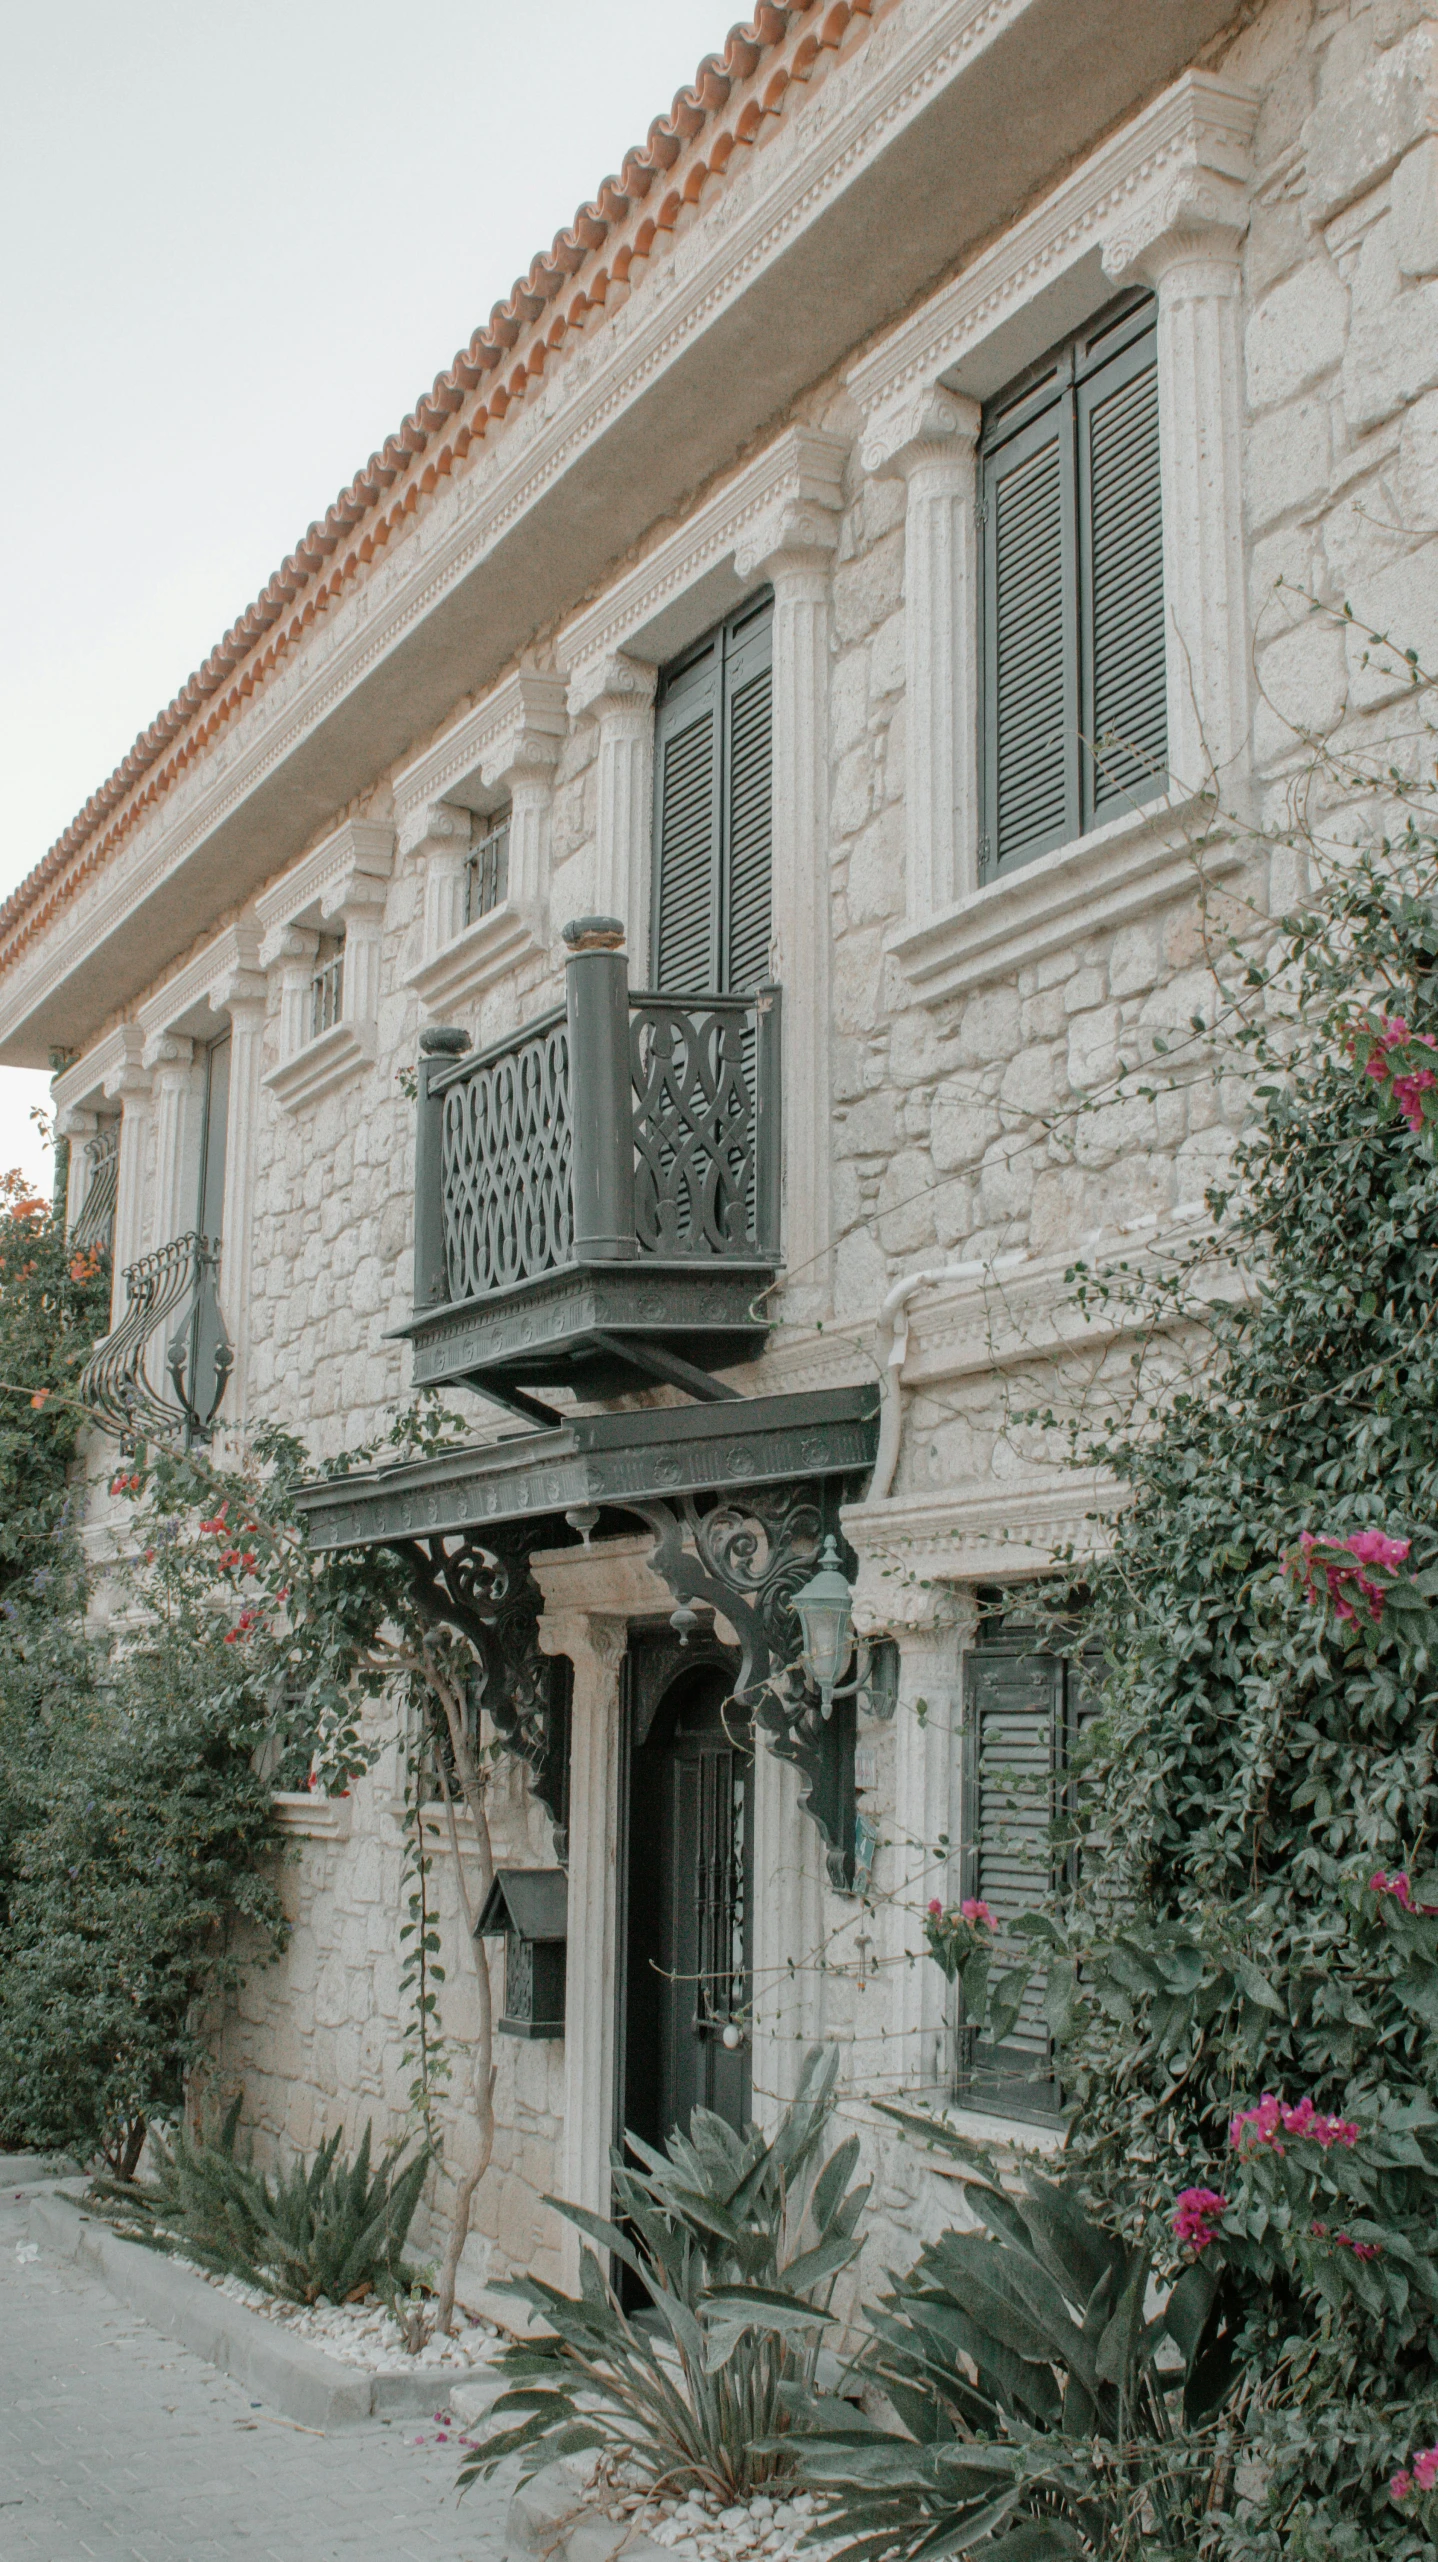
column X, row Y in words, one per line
column 172, row 1305
column 598, row 1195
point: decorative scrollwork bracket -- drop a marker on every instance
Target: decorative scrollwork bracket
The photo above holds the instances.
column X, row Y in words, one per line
column 745, row 1558
column 484, row 1588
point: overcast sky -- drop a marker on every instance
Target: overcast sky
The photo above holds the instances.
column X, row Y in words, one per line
column 238, row 244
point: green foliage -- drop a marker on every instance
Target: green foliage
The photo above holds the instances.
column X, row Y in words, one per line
column 53, row 1305
column 329, row 2228
column 736, row 2242
column 1047, row 2408
column 135, row 1833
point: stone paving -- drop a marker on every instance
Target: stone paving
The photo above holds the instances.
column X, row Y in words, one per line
column 117, row 2445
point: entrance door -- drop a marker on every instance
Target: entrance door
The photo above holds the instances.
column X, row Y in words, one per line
column 691, row 1873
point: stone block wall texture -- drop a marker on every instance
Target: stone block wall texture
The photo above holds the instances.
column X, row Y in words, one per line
column 995, row 1122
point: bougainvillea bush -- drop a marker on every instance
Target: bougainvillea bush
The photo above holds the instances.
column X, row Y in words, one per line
column 53, row 1303
column 1250, row 1946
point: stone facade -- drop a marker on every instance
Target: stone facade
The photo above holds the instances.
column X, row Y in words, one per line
column 961, row 1059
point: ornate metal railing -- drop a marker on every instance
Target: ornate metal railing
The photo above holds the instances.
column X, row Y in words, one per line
column 171, row 1298
column 95, row 1223
column 622, row 1127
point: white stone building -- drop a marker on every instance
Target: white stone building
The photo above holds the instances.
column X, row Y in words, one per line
column 872, row 557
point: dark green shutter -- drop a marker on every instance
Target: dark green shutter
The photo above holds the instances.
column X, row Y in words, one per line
column 1031, row 694
column 1125, row 714
column 1073, row 719
column 686, row 836
column 1012, row 1746
column 748, row 800
column 713, row 805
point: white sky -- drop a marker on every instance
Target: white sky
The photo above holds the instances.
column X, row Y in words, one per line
column 238, row 244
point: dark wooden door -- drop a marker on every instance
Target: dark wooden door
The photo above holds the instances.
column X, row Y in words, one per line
column 691, row 1871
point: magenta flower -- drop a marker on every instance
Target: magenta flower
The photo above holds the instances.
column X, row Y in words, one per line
column 1194, row 2210
column 1396, row 1886
column 1272, row 2118
column 1341, row 1564
column 1425, row 2468
column 1401, row 2485
column 974, row 1910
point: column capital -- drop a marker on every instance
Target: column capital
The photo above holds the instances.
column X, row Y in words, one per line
column 434, row 827
column 289, row 946
column 1199, row 219
column 73, row 1123
column 926, row 423
column 168, row 1053
column 790, row 542
column 610, row 689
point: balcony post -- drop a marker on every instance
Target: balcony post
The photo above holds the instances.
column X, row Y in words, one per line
column 768, row 1116
column 439, row 1043
column 600, row 1089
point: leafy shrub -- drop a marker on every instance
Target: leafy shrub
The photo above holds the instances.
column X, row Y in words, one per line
column 327, row 2229
column 53, row 1305
column 736, row 2241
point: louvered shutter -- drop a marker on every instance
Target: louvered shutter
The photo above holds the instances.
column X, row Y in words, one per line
column 687, row 804
column 1125, row 711
column 748, row 800
column 1013, row 1746
column 1030, row 658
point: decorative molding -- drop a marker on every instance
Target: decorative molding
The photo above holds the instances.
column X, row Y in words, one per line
column 1124, row 869
column 522, row 722
column 318, row 1066
column 104, row 1074
column 909, row 1544
column 1191, row 142
column 345, row 880
column 303, row 1813
column 350, row 867
column 477, row 958
column 227, row 972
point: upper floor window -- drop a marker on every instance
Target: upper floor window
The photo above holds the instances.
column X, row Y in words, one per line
column 713, row 821
column 1073, row 685
column 486, row 870
column 327, row 988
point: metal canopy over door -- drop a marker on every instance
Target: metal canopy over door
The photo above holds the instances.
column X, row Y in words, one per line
column 690, row 1897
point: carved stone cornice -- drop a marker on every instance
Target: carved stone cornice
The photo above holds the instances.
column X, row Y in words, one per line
column 612, row 686
column 520, row 725
column 1197, row 215
column 350, row 869
column 922, row 423
column 226, row 973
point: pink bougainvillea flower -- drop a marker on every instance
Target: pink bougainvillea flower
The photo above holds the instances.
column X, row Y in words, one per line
column 1273, row 2117
column 1396, row 1886
column 975, row 1910
column 1425, row 2468
column 1360, row 2250
column 935, row 1905
column 1194, row 2210
column 1401, row 2485
column 1341, row 1563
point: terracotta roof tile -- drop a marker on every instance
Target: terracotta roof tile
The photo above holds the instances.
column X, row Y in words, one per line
column 723, row 108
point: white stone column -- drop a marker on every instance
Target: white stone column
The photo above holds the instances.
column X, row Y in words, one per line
column 925, row 1820
column 1186, row 246
column 242, row 998
column 358, row 908
column 128, row 1084
column 595, row 1646
column 531, row 800
column 788, row 2015
column 794, row 552
column 179, row 1099
column 79, row 1128
column 618, row 696
column 931, row 440
column 440, row 835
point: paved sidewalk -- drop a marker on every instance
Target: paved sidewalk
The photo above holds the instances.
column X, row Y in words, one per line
column 117, row 2444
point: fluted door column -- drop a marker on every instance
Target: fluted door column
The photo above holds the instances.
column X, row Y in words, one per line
column 931, row 442
column 178, row 1104
column 618, row 696
column 595, row 1647
column 788, row 1935
column 926, row 1753
column 1187, row 248
column 795, row 555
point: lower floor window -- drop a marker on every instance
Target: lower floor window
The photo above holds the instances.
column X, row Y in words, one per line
column 1025, row 1712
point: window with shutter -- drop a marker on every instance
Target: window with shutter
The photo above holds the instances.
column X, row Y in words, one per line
column 713, row 821
column 1073, row 680
column 1026, row 1713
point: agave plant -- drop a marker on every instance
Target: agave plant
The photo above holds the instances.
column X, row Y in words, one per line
column 1045, row 2410
column 736, row 2241
column 326, row 2229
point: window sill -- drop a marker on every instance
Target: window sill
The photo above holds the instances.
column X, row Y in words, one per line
column 321, row 1064
column 312, row 1817
column 479, row 956
column 1134, row 863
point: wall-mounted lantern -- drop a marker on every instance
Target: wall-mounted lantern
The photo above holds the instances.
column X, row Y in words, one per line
column 824, row 1608
column 529, row 1909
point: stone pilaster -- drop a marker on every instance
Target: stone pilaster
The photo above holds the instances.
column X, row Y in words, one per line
column 128, row 1084
column 179, row 1098
column 1186, row 245
column 79, row 1128
column 929, row 439
column 793, row 548
column 440, row 835
column 242, row 998
column 294, row 951
column 618, row 696
column 788, row 2014
column 595, row 1647
column 926, row 1747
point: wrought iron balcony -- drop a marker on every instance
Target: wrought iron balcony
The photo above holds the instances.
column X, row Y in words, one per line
column 171, row 1301
column 597, row 1197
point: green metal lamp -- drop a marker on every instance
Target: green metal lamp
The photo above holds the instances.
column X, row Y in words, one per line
column 825, row 1611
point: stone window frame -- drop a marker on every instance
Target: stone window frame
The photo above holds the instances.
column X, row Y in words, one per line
column 337, row 892
column 502, row 755
column 1164, row 204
